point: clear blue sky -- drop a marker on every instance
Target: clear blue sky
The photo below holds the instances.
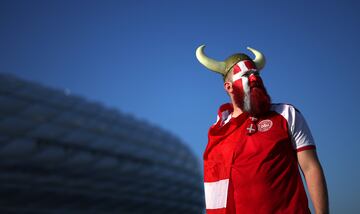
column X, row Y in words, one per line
column 138, row 56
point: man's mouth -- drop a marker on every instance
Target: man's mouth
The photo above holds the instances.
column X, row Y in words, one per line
column 255, row 86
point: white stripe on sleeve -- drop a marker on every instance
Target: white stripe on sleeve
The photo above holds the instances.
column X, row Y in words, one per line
column 300, row 133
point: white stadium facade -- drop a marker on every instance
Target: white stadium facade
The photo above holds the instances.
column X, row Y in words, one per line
column 60, row 153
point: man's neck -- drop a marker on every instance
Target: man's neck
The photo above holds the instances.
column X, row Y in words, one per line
column 237, row 111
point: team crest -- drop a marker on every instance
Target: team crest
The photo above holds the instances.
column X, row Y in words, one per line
column 264, row 125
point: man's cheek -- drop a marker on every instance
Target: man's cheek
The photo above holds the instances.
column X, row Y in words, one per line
column 238, row 86
column 242, row 85
column 257, row 81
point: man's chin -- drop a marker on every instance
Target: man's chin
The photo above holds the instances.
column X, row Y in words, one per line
column 259, row 110
column 257, row 103
column 260, row 102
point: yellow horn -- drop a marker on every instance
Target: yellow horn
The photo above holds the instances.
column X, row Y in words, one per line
column 209, row 63
column 259, row 58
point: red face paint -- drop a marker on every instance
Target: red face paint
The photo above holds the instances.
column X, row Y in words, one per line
column 238, row 88
column 249, row 92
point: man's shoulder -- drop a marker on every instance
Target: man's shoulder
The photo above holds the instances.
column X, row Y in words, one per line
column 288, row 111
column 283, row 108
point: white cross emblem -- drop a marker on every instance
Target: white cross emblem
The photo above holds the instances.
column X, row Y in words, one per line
column 251, row 129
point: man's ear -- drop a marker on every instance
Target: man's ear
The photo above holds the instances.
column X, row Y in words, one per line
column 228, row 87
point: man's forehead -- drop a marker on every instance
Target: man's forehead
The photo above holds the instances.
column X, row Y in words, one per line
column 243, row 66
column 232, row 60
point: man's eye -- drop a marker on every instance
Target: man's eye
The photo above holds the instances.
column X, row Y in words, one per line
column 247, row 74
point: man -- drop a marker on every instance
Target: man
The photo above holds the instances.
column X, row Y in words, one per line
column 255, row 148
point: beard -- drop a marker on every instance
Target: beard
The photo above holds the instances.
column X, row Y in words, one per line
column 256, row 102
column 260, row 101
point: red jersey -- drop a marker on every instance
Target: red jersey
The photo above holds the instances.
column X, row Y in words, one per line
column 250, row 164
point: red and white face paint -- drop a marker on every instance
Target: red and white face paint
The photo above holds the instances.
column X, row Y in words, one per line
column 249, row 92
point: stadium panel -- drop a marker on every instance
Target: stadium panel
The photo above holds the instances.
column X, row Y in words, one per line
column 60, row 153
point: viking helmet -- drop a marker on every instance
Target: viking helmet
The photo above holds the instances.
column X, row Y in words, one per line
column 223, row 67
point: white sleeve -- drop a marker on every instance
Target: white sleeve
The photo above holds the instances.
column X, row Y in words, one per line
column 299, row 131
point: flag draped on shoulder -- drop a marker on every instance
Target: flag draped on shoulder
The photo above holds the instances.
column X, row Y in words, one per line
column 218, row 158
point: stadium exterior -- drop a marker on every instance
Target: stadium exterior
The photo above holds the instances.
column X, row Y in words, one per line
column 62, row 154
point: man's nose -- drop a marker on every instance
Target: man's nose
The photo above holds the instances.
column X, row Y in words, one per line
column 253, row 78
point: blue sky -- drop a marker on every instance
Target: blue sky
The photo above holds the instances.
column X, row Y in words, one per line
column 139, row 57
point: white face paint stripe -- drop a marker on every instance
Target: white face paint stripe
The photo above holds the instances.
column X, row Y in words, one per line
column 216, row 194
column 246, row 87
column 237, row 76
column 245, row 83
column 243, row 66
column 243, row 70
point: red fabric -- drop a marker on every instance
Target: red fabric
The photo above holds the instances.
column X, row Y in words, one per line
column 306, row 148
column 262, row 167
